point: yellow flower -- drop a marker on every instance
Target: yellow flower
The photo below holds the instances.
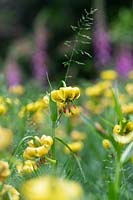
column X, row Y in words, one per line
column 17, row 90
column 74, row 111
column 38, row 147
column 108, row 75
column 27, row 167
column 127, row 108
column 129, row 126
column 51, row 188
column 37, row 118
column 123, row 139
column 129, row 88
column 65, row 94
column 4, row 170
column 75, row 147
column 76, row 135
column 3, row 109
column 5, row 138
column 98, row 89
column 106, row 144
column 117, row 129
column 13, row 192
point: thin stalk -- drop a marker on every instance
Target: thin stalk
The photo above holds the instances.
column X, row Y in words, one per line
column 17, row 148
column 117, row 177
column 53, row 136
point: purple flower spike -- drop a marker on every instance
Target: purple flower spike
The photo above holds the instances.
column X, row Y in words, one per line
column 39, row 58
column 13, row 73
column 102, row 46
column 124, row 61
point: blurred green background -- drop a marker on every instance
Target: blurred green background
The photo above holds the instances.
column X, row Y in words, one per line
column 33, row 33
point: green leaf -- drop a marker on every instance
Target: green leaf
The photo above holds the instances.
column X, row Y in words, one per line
column 117, row 105
column 75, row 157
column 7, row 196
column 126, row 155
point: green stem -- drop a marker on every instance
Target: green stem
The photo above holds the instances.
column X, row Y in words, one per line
column 53, row 136
column 117, row 177
column 17, row 148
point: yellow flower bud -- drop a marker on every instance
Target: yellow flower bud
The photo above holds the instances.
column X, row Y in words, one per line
column 117, row 129
column 106, row 144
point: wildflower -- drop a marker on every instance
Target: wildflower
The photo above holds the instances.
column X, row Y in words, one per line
column 38, row 147
column 106, row 143
column 124, row 139
column 117, row 129
column 10, row 189
column 124, row 135
column 27, row 167
column 64, row 96
column 108, row 75
column 75, row 147
column 97, row 89
column 38, row 118
column 127, row 108
column 17, row 90
column 4, row 170
column 5, row 138
column 76, row 135
column 3, row 109
column 129, row 88
column 51, row 188
column 74, row 111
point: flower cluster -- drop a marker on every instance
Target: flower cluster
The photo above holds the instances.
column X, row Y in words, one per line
column 64, row 96
column 38, row 147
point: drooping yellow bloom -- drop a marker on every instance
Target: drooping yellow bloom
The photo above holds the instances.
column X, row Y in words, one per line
column 106, row 143
column 38, row 147
column 27, row 167
column 108, row 75
column 17, row 90
column 4, row 170
column 13, row 192
column 51, row 188
column 73, row 112
column 75, row 147
column 124, row 139
column 125, row 135
column 65, row 94
column 6, row 137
